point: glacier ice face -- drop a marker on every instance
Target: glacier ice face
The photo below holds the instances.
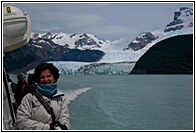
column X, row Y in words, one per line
column 115, row 60
column 80, row 68
column 118, row 68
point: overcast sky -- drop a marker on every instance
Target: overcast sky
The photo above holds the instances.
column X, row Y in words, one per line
column 109, row 21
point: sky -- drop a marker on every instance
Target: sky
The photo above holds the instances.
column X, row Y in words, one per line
column 107, row 20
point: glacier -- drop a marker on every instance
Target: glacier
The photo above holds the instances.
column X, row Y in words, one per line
column 116, row 61
column 81, row 68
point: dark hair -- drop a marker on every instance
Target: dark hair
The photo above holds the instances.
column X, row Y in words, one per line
column 30, row 79
column 44, row 66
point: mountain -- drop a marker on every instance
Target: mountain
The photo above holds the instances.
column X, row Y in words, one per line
column 141, row 41
column 92, row 54
column 182, row 19
column 174, row 54
column 73, row 41
column 43, row 50
column 171, row 56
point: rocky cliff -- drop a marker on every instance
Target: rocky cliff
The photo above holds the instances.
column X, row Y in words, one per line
column 43, row 50
column 171, row 56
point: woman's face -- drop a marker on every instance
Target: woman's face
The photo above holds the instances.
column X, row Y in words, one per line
column 46, row 77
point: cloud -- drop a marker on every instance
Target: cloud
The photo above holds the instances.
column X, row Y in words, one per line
column 49, row 29
column 72, row 20
column 112, row 29
column 76, row 22
column 100, row 18
column 80, row 20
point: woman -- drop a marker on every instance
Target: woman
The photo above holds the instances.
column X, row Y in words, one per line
column 32, row 115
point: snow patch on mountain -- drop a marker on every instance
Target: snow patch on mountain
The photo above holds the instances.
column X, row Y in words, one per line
column 115, row 60
column 182, row 19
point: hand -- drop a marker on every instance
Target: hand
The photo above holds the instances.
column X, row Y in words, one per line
column 52, row 126
column 56, row 124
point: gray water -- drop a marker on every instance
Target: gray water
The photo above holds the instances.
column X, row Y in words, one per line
column 130, row 102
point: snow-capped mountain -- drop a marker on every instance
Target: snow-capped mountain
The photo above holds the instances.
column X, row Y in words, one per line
column 182, row 19
column 117, row 57
column 141, row 41
column 73, row 41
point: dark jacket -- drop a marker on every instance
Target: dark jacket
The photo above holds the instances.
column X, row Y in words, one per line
column 20, row 87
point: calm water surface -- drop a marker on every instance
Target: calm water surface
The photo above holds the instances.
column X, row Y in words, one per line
column 130, row 102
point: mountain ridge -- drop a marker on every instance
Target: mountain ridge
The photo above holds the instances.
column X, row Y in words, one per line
column 171, row 56
column 89, row 48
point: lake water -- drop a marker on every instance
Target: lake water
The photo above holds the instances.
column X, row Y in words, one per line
column 129, row 102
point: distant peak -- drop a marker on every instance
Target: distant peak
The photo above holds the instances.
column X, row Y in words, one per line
column 182, row 18
column 184, row 11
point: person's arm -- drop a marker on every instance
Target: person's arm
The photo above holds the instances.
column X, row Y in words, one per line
column 64, row 114
column 24, row 121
